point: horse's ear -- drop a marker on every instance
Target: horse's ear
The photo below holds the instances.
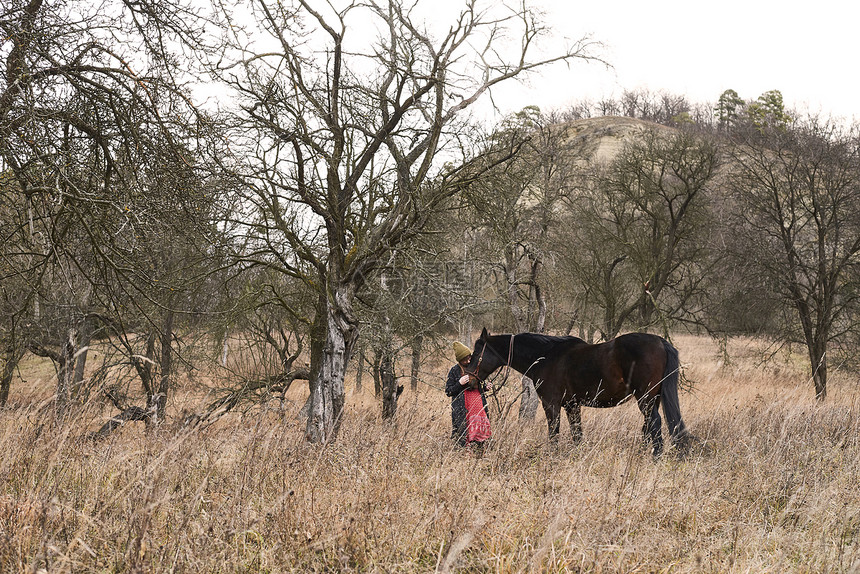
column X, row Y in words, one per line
column 484, row 334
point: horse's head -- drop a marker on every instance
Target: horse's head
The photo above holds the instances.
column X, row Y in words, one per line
column 486, row 358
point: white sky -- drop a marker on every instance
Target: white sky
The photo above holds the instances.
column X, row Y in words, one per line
column 807, row 50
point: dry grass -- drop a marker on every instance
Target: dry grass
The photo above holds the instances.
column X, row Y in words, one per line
column 773, row 487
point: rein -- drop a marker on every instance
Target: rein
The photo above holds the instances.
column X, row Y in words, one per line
column 494, row 388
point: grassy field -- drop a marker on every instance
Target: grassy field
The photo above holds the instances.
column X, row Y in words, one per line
column 772, row 486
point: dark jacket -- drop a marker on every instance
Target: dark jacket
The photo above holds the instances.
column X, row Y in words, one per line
column 454, row 389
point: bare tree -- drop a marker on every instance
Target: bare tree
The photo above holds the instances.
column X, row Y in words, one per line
column 639, row 231
column 18, row 276
column 662, row 107
column 517, row 205
column 340, row 135
column 797, row 190
column 93, row 122
column 411, row 307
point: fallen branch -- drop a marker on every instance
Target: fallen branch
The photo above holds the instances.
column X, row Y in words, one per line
column 279, row 383
column 129, row 414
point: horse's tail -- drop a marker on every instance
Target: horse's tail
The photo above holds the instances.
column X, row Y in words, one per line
column 669, row 395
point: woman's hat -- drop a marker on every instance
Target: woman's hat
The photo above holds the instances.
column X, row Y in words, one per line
column 461, row 351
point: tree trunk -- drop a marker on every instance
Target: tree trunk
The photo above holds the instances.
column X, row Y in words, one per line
column 816, row 344
column 466, row 331
column 11, row 357
column 417, row 344
column 377, row 379
column 6, row 380
column 644, row 311
column 818, row 359
column 86, row 334
column 529, row 401
column 359, row 368
column 145, row 367
column 537, row 303
column 225, row 349
column 80, row 367
column 317, row 346
column 513, row 291
column 328, row 395
column 160, row 398
column 540, row 325
column 66, row 373
column 389, row 385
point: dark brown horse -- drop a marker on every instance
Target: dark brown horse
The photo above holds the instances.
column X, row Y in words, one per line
column 569, row 373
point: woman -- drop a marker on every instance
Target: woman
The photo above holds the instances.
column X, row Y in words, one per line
column 468, row 403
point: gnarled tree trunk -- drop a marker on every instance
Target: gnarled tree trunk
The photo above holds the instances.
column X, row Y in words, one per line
column 327, row 394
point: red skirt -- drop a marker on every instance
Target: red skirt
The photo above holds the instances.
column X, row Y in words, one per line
column 478, row 429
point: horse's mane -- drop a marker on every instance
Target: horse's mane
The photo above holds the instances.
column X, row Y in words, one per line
column 549, row 342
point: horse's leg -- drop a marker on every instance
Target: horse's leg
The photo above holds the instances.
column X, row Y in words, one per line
column 553, row 418
column 653, row 423
column 574, row 416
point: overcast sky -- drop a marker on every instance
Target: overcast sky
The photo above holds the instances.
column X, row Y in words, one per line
column 807, row 50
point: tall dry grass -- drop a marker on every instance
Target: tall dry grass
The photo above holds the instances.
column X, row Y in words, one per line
column 773, row 486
